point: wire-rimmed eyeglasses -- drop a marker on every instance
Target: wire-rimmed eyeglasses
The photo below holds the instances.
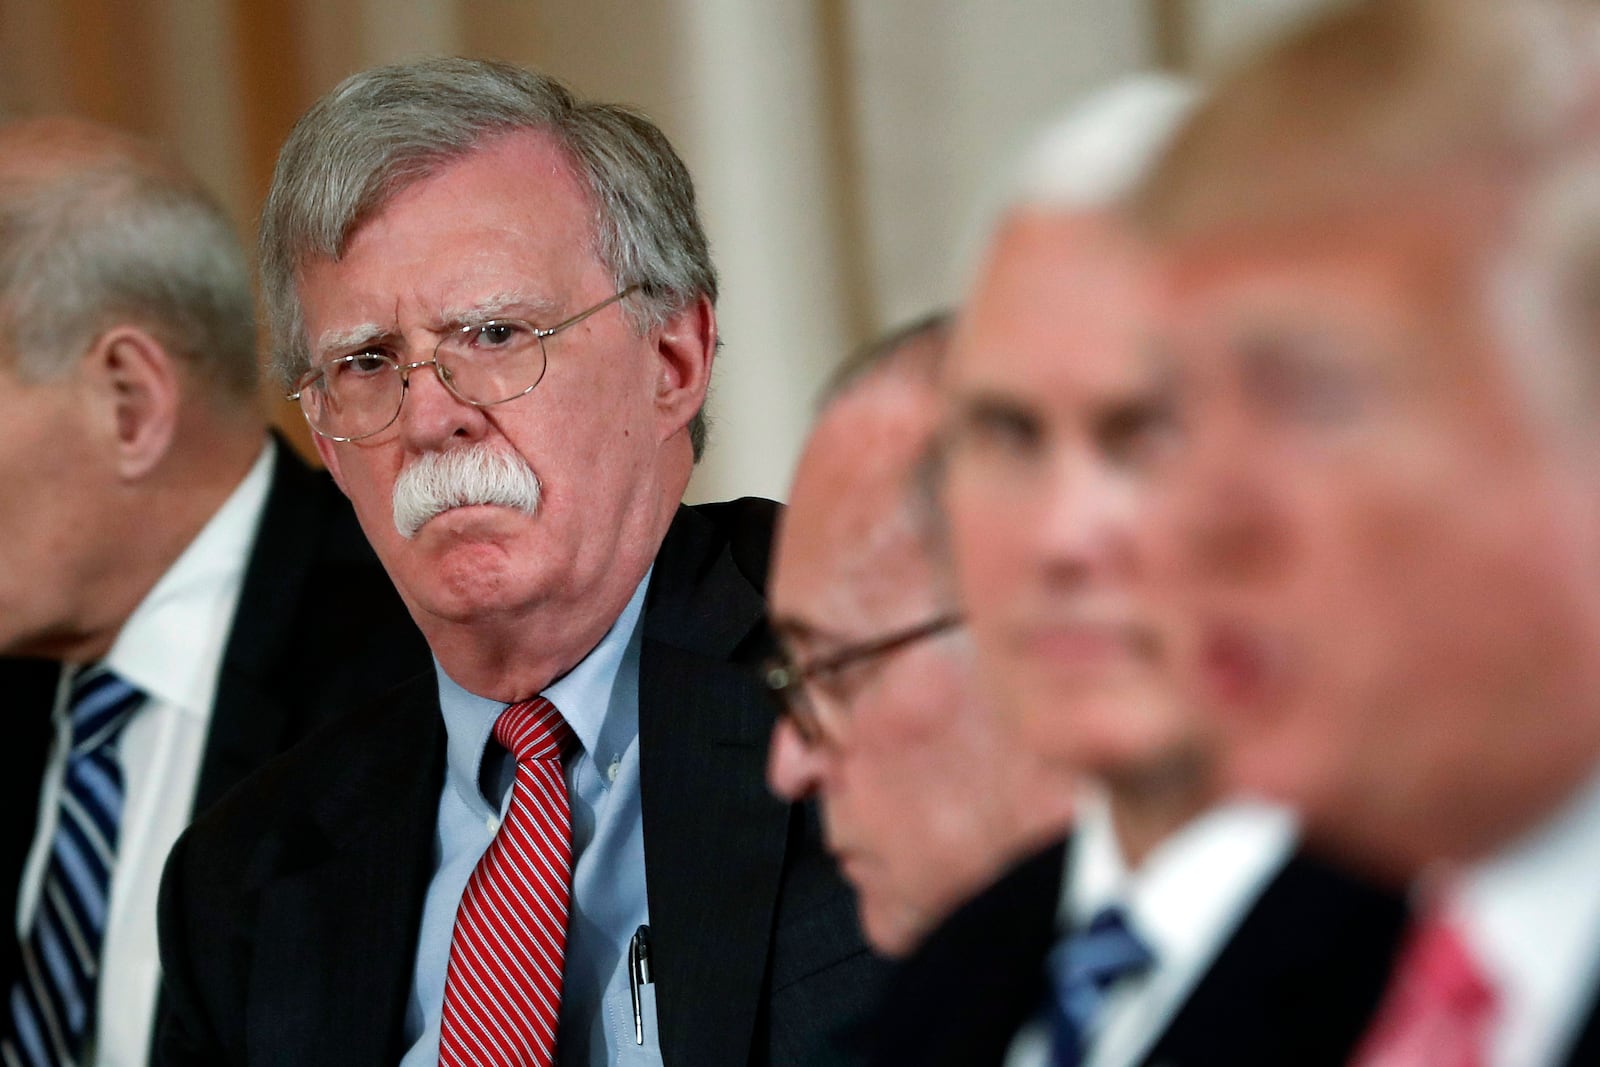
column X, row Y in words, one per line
column 353, row 396
column 788, row 681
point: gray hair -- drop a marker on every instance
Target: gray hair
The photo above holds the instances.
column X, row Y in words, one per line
column 922, row 342
column 385, row 129
column 909, row 356
column 124, row 240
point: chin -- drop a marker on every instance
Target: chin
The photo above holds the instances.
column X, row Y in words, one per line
column 469, row 585
column 891, row 932
column 1072, row 723
column 1298, row 773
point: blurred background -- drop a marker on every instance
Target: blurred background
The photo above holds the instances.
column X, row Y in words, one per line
column 848, row 153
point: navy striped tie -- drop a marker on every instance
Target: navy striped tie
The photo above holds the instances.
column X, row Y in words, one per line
column 1083, row 969
column 53, row 1003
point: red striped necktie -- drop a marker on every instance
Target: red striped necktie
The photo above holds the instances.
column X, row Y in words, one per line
column 502, row 992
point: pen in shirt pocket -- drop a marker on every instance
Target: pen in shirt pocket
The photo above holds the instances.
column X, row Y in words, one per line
column 638, row 977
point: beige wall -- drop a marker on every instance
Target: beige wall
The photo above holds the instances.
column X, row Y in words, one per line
column 846, row 150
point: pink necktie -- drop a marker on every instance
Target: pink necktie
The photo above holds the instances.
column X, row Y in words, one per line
column 502, row 992
column 1439, row 1007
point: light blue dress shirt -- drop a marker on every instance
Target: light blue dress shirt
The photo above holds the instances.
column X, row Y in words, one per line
column 599, row 698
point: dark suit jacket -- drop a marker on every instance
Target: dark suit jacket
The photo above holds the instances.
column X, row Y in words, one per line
column 290, row 912
column 318, row 624
column 1295, row 984
column 1585, row 1050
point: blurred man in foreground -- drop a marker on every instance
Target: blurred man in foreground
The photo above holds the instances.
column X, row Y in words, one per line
column 199, row 599
column 1382, row 242
column 924, row 798
column 495, row 304
column 1171, row 928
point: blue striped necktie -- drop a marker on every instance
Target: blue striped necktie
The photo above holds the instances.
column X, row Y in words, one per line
column 1083, row 969
column 52, row 1005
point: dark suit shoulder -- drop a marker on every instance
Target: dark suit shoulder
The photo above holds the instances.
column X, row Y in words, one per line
column 759, row 958
column 1298, row 980
column 392, row 741
column 979, row 976
column 27, row 693
column 707, row 591
column 319, row 629
column 747, row 524
column 1585, row 1050
column 302, row 886
column 315, row 593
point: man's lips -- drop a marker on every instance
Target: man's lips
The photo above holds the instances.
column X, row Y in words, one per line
column 1089, row 645
column 1236, row 665
column 466, row 512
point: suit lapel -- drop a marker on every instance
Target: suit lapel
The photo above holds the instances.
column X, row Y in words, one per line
column 977, row 978
column 713, row 835
column 1298, row 980
column 1586, row 1050
column 254, row 724
column 352, row 873
column 30, row 692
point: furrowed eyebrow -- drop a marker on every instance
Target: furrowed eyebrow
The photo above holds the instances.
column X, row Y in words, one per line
column 511, row 304
column 792, row 629
column 351, row 338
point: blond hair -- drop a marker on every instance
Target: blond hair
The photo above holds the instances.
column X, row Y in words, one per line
column 1372, row 97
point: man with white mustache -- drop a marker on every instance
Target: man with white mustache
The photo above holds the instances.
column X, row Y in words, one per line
column 435, row 482
column 494, row 303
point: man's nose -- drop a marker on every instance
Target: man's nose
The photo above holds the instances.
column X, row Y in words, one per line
column 1216, row 516
column 430, row 414
column 796, row 769
column 1083, row 523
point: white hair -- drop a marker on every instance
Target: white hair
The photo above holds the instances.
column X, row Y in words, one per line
column 1103, row 146
column 435, row 482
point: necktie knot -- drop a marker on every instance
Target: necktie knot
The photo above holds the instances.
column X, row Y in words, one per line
column 1440, row 1006
column 101, row 704
column 1098, row 956
column 1083, row 969
column 1442, row 962
column 533, row 730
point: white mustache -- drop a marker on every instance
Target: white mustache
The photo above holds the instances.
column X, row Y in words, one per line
column 435, row 482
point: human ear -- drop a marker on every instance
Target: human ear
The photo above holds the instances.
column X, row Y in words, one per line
column 133, row 380
column 686, row 346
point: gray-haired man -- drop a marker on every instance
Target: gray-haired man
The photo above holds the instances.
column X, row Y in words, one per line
column 494, row 303
column 183, row 581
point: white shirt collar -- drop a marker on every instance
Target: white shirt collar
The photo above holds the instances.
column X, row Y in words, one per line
column 1184, row 902
column 1193, row 888
column 170, row 645
column 1531, row 915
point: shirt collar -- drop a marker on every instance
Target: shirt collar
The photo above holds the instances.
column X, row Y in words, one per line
column 1532, row 918
column 1098, row 875
column 1197, row 885
column 1192, row 886
column 171, row 644
column 583, row 695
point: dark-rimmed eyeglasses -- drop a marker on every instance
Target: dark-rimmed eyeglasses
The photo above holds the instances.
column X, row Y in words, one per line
column 483, row 363
column 790, row 683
